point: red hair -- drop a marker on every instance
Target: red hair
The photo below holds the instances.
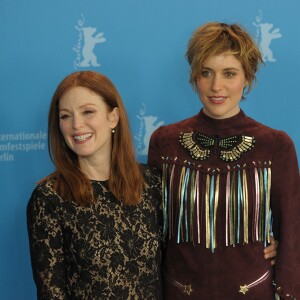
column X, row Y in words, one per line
column 71, row 182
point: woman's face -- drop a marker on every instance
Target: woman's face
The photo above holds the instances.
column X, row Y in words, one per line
column 85, row 123
column 220, row 85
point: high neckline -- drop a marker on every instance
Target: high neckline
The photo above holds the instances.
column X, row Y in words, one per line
column 99, row 181
column 103, row 183
column 233, row 121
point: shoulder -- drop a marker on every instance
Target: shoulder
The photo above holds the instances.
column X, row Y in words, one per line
column 274, row 140
column 284, row 144
column 152, row 177
column 46, row 187
column 150, row 171
column 252, row 123
column 43, row 196
column 152, row 188
column 284, row 138
column 176, row 127
column 268, row 132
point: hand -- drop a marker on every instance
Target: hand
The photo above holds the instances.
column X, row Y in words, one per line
column 271, row 250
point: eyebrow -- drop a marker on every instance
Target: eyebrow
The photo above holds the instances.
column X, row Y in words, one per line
column 87, row 104
column 226, row 69
column 81, row 106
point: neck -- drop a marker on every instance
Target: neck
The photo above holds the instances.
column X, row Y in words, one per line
column 96, row 170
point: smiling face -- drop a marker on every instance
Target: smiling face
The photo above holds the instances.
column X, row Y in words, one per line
column 86, row 123
column 220, row 85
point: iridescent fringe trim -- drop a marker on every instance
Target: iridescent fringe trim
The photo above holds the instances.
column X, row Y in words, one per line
column 197, row 196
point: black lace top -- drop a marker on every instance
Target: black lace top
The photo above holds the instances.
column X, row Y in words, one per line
column 107, row 250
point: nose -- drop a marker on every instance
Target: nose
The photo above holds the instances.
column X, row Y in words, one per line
column 77, row 122
column 217, row 83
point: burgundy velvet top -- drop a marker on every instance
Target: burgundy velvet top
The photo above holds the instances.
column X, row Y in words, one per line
column 226, row 185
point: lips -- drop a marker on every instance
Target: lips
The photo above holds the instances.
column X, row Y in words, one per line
column 82, row 137
column 217, row 100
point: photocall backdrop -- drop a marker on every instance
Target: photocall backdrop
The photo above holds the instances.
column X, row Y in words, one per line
column 141, row 46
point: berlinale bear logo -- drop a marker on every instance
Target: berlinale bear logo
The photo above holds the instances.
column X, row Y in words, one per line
column 264, row 36
column 86, row 43
column 147, row 125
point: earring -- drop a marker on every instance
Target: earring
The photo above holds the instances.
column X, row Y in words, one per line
column 113, row 130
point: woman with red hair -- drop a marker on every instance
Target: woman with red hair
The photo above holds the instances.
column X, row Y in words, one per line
column 95, row 223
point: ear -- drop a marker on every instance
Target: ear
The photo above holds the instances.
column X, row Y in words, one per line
column 113, row 117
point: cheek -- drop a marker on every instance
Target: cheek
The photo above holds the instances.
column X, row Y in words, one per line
column 99, row 122
column 238, row 88
column 201, row 87
column 63, row 129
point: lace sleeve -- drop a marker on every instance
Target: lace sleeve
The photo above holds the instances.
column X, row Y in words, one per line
column 46, row 245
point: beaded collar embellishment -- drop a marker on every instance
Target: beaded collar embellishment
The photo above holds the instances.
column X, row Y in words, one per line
column 200, row 145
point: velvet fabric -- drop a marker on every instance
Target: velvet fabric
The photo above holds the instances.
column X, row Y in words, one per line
column 193, row 271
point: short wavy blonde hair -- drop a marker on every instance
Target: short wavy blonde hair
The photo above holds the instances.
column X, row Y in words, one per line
column 214, row 38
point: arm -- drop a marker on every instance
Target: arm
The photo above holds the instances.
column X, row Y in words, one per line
column 46, row 246
column 270, row 251
column 285, row 204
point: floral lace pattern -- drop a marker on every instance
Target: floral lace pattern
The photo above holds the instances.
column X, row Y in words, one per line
column 107, row 250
